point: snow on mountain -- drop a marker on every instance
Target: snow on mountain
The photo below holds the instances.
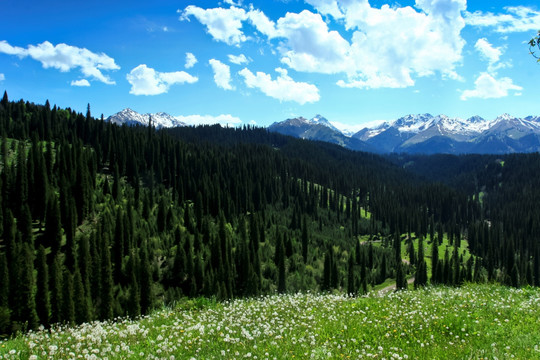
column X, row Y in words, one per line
column 131, row 118
column 320, row 120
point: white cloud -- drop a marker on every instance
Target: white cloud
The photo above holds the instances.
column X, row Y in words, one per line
column 488, row 87
column 2, row 77
column 222, row 74
column 282, row 88
column 262, row 23
column 516, row 19
column 231, row 2
column 327, row 7
column 223, row 119
column 310, row 46
column 147, row 81
column 385, row 47
column 81, row 82
column 239, row 59
column 65, row 58
column 191, row 60
column 489, row 52
column 223, row 24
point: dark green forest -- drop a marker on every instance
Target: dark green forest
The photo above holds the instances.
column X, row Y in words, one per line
column 99, row 221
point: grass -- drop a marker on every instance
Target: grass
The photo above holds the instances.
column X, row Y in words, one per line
column 475, row 321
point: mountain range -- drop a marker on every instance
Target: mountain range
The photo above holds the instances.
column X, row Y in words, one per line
column 421, row 133
column 131, row 118
column 426, row 134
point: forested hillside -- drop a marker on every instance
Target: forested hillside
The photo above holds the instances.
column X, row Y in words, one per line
column 99, row 220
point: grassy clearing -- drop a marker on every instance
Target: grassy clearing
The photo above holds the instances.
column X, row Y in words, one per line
column 475, row 321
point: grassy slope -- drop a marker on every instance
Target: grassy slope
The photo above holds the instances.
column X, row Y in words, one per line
column 475, row 321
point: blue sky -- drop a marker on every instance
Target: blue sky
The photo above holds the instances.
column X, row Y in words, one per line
column 240, row 62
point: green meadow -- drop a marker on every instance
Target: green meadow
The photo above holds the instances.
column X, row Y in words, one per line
column 470, row 322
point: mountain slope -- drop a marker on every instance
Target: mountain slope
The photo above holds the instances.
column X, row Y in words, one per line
column 320, row 129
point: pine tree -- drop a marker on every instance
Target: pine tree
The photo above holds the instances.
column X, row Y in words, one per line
column 434, row 262
column 81, row 301
column 351, row 281
column 145, row 280
column 304, row 240
column 56, row 285
column 5, row 313
column 26, row 304
column 421, row 268
column 134, row 300
column 280, row 263
column 53, row 227
column 68, row 305
column 107, row 284
column 401, row 281
column 43, row 305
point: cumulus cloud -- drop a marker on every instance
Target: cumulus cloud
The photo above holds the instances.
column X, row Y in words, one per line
column 515, row 19
column 238, row 59
column 2, row 77
column 147, row 81
column 223, row 24
column 223, row 120
column 81, row 83
column 384, row 47
column 222, row 74
column 329, row 7
column 488, row 87
column 487, row 50
column 191, row 60
column 283, row 88
column 491, row 54
column 65, row 58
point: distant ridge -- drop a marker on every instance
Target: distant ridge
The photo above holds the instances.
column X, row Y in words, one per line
column 427, row 134
column 420, row 133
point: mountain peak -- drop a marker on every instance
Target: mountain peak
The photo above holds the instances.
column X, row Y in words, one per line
column 131, row 118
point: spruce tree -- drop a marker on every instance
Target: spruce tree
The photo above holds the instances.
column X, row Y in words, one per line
column 26, row 304
column 43, row 305
column 421, row 268
column 5, row 312
column 401, row 281
column 434, row 262
column 81, row 300
column 107, row 284
column 351, row 281
column 145, row 280
column 68, row 304
column 56, row 285
column 305, row 239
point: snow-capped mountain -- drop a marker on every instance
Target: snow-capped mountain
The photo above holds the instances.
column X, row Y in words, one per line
column 131, row 118
column 317, row 128
column 425, row 133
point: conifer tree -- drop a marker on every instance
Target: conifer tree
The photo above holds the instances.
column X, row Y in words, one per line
column 81, row 301
column 53, row 227
column 43, row 304
column 145, row 280
column 305, row 240
column 434, row 262
column 106, row 293
column 56, row 285
column 351, row 281
column 68, row 304
column 134, row 300
column 280, row 263
column 401, row 281
column 26, row 301
column 421, row 268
